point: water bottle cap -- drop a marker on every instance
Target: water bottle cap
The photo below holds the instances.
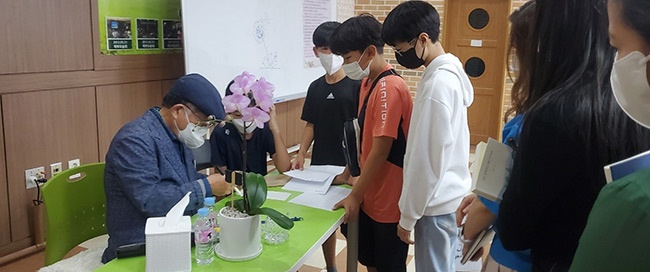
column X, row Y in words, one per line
column 208, row 201
column 203, row 212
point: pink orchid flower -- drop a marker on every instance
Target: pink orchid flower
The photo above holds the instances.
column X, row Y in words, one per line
column 255, row 115
column 263, row 93
column 242, row 83
column 235, row 102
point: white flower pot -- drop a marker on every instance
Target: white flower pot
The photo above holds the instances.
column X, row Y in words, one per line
column 239, row 238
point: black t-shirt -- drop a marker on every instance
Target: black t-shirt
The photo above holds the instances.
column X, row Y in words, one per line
column 328, row 106
column 226, row 147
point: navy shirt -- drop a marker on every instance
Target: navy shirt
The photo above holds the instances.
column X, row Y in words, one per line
column 226, row 147
column 327, row 107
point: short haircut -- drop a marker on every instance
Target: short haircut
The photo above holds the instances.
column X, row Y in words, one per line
column 406, row 21
column 356, row 34
column 323, row 32
column 169, row 100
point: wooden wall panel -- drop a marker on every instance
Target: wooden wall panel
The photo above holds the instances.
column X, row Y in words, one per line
column 133, row 100
column 45, row 35
column 5, row 231
column 295, row 125
column 41, row 128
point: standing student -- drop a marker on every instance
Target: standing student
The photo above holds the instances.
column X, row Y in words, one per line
column 331, row 100
column 385, row 119
column 616, row 237
column 436, row 176
column 572, row 128
column 226, row 145
column 150, row 167
column 479, row 212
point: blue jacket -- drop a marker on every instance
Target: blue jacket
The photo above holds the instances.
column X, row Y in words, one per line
column 516, row 260
column 148, row 170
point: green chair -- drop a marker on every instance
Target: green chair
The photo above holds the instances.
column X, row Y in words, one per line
column 75, row 205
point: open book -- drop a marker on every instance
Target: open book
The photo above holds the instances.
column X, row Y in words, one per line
column 484, row 238
column 627, row 166
column 491, row 169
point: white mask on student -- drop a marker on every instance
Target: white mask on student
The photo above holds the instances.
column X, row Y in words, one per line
column 239, row 124
column 331, row 63
column 354, row 70
column 630, row 85
column 192, row 136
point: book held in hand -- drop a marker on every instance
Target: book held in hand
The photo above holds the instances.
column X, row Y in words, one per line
column 483, row 239
column 491, row 169
column 627, row 166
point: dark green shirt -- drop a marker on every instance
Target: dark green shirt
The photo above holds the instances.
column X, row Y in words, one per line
column 617, row 236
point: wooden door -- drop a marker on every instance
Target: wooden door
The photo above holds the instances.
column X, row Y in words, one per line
column 476, row 31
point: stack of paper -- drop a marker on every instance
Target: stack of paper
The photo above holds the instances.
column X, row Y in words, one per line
column 315, row 179
column 322, row 201
column 491, row 170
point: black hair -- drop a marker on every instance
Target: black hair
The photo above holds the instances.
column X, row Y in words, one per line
column 408, row 19
column 323, row 32
column 356, row 34
column 570, row 74
column 635, row 14
column 169, row 100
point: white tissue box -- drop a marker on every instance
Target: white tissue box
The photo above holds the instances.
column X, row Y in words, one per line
column 168, row 248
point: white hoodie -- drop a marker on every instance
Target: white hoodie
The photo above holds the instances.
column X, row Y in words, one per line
column 436, row 174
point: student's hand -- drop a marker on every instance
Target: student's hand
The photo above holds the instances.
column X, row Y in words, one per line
column 462, row 210
column 351, row 205
column 273, row 123
column 219, row 185
column 404, row 235
column 299, row 162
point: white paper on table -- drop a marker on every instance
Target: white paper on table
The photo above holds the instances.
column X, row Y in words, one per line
column 307, row 186
column 469, row 266
column 324, row 201
column 316, row 173
column 278, row 195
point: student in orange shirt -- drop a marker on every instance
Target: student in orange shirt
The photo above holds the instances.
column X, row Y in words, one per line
column 384, row 123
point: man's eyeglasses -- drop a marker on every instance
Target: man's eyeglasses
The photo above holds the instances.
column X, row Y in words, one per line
column 411, row 43
column 209, row 123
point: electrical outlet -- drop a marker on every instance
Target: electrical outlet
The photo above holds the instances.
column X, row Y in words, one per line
column 31, row 175
column 73, row 163
column 55, row 168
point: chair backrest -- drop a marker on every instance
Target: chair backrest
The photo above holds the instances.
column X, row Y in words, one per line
column 75, row 205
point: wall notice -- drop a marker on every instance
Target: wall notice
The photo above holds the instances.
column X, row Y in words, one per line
column 314, row 13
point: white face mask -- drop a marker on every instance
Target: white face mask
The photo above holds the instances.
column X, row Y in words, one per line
column 630, row 85
column 354, row 71
column 192, row 136
column 331, row 63
column 239, row 124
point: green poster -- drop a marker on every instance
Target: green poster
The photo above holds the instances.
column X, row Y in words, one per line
column 137, row 27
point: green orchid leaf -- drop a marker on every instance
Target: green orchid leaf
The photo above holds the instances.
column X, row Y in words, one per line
column 279, row 218
column 255, row 191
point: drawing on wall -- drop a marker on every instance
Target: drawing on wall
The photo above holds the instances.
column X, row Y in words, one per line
column 269, row 57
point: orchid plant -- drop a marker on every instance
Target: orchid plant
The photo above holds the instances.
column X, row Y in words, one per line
column 251, row 100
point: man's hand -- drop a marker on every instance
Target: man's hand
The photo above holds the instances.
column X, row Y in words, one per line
column 404, row 235
column 351, row 205
column 273, row 123
column 219, row 185
column 299, row 162
column 462, row 210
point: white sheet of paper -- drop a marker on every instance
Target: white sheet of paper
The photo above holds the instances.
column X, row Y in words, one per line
column 322, row 201
column 278, row 195
column 316, row 173
column 308, row 186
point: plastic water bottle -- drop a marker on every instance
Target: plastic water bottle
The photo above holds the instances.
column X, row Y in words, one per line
column 204, row 252
column 208, row 202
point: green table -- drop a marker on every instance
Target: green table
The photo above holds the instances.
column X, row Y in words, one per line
column 304, row 239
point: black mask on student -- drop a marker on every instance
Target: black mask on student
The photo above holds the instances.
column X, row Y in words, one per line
column 409, row 59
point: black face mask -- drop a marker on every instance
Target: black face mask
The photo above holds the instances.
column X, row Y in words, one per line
column 409, row 59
